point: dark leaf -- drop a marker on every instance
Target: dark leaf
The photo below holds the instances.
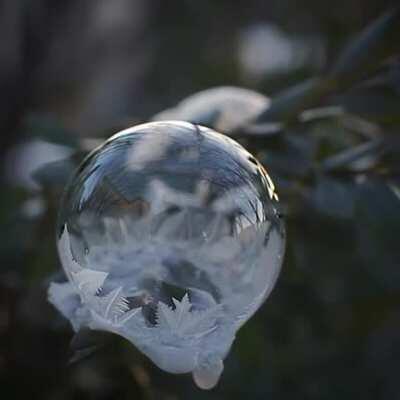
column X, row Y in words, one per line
column 54, row 174
column 378, row 222
column 49, row 129
column 349, row 157
column 380, row 105
column 366, row 52
column 333, row 198
column 293, row 101
column 86, row 342
column 369, row 49
column 293, row 159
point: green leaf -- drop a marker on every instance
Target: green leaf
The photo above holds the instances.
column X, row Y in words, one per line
column 333, row 198
column 50, row 129
column 54, row 174
column 369, row 49
column 380, row 105
column 378, row 222
column 349, row 157
column 293, row 101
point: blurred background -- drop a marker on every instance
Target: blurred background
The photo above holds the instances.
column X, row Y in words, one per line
column 72, row 73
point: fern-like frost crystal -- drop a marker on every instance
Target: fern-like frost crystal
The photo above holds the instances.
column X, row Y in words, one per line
column 169, row 236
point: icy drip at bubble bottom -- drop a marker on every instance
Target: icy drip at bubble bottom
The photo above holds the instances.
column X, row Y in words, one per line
column 179, row 302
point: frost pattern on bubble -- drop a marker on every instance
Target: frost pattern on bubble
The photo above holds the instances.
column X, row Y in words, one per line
column 170, row 237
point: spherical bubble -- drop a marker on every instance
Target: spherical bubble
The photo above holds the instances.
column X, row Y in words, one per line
column 169, row 235
column 225, row 108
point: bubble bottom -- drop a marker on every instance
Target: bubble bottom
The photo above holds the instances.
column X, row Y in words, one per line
column 182, row 310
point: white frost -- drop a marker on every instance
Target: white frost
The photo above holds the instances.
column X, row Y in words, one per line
column 192, row 334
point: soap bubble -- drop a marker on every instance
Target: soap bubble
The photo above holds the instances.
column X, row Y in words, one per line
column 170, row 236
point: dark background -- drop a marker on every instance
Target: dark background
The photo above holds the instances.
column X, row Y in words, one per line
column 84, row 69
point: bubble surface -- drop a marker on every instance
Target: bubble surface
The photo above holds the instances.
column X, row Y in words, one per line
column 170, row 236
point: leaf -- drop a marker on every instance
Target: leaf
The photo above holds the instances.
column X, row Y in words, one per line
column 379, row 105
column 49, row 128
column 369, row 49
column 294, row 159
column 375, row 44
column 293, row 101
column 86, row 342
column 54, row 174
column 224, row 108
column 348, row 158
column 378, row 228
column 333, row 198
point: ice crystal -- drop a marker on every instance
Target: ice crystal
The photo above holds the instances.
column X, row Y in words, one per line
column 183, row 322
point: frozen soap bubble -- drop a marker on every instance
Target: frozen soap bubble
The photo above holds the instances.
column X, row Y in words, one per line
column 169, row 235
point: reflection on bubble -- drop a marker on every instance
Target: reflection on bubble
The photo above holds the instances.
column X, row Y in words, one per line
column 170, row 237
